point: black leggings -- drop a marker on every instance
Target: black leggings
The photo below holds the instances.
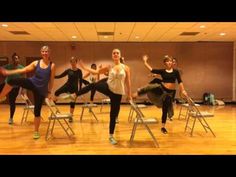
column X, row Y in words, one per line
column 27, row 84
column 102, row 87
column 65, row 89
column 93, row 91
column 167, row 104
column 12, row 98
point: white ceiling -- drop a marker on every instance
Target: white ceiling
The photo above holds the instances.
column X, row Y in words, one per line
column 123, row 31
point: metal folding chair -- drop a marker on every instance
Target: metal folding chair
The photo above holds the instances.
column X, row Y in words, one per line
column 28, row 107
column 195, row 114
column 90, row 108
column 131, row 111
column 182, row 113
column 56, row 115
column 142, row 120
column 105, row 101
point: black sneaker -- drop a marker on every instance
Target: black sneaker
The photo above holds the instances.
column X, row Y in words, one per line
column 163, row 130
column 171, row 119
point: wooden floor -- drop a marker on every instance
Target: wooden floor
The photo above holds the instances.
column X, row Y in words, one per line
column 92, row 137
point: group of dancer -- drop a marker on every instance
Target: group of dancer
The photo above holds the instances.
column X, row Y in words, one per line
column 116, row 83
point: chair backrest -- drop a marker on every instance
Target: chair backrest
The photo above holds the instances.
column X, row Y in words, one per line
column 53, row 108
column 136, row 109
column 26, row 100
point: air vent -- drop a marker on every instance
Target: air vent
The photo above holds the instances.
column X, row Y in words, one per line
column 19, row 32
column 189, row 33
column 105, row 33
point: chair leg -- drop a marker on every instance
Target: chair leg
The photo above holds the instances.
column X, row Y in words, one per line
column 180, row 112
column 101, row 107
column 194, row 121
column 91, row 111
column 48, row 129
column 23, row 117
column 150, row 132
column 133, row 132
column 129, row 117
column 69, row 127
column 81, row 116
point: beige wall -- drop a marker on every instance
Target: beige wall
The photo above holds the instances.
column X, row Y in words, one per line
column 207, row 66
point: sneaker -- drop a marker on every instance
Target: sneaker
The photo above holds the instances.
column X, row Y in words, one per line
column 10, row 121
column 3, row 99
column 163, row 130
column 36, row 135
column 112, row 140
column 171, row 119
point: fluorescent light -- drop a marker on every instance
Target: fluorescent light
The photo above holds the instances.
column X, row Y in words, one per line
column 73, row 37
column 4, row 25
column 222, row 34
column 136, row 37
column 105, row 37
column 202, row 26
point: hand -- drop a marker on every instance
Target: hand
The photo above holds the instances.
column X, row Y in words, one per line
column 184, row 93
column 145, row 58
column 49, row 96
column 152, row 75
column 3, row 71
column 129, row 98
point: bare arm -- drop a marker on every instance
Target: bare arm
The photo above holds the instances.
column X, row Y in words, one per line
column 99, row 71
column 145, row 59
column 182, row 90
column 128, row 82
column 26, row 69
column 86, row 75
column 51, row 81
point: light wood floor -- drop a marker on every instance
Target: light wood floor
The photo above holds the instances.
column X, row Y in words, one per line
column 92, row 137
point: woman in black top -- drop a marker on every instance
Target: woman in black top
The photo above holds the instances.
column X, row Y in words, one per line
column 162, row 92
column 71, row 86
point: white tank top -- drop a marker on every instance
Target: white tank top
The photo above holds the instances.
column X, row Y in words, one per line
column 116, row 81
column 92, row 78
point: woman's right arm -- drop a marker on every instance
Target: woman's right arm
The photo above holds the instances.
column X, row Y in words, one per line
column 145, row 59
column 99, row 71
column 26, row 69
column 62, row 74
column 86, row 75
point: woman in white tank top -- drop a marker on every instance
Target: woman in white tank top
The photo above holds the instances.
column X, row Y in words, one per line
column 113, row 87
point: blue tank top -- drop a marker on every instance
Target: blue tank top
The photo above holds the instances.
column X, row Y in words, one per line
column 41, row 79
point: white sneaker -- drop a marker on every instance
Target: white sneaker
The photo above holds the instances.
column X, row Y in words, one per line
column 112, row 140
column 10, row 121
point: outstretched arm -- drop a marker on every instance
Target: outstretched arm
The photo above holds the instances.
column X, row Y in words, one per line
column 62, row 74
column 99, row 71
column 182, row 90
column 26, row 69
column 145, row 59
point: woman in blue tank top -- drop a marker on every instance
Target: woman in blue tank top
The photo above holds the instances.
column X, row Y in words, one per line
column 40, row 84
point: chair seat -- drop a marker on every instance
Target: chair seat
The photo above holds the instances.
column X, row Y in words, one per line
column 148, row 120
column 29, row 107
column 203, row 113
column 61, row 116
column 187, row 105
column 141, row 105
column 89, row 105
column 108, row 100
